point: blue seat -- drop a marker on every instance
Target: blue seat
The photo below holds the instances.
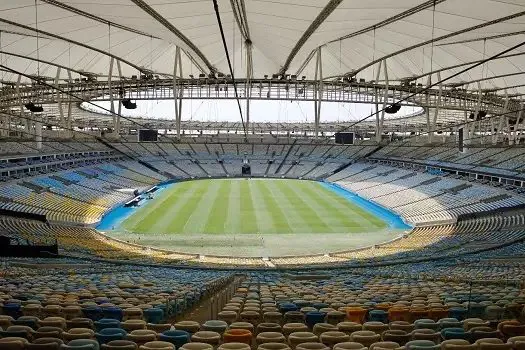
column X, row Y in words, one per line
column 113, row 313
column 313, row 317
column 162, row 307
column 302, row 303
column 94, row 313
column 454, row 333
column 449, row 323
column 30, row 321
column 176, row 337
column 285, row 307
column 458, row 313
column 378, row 315
column 154, row 315
column 476, row 310
column 108, row 334
column 15, row 334
column 319, row 306
column 104, row 323
column 12, row 310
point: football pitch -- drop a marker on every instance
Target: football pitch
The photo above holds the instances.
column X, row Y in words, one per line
column 250, row 206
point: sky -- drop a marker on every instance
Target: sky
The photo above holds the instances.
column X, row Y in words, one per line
column 260, row 110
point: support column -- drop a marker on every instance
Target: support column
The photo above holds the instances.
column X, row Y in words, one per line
column 319, row 91
column 466, row 128
column 248, row 88
column 492, row 131
column 119, row 110
column 27, row 125
column 385, row 103
column 509, row 134
column 427, row 110
column 177, row 100
column 376, row 97
column 518, row 127
column 69, row 123
column 502, row 120
column 38, row 130
column 436, row 110
column 472, row 128
column 6, row 117
column 62, row 121
column 110, row 88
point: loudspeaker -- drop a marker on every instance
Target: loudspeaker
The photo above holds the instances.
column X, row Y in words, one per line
column 148, row 135
column 344, row 138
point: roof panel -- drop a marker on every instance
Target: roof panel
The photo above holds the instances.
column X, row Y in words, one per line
column 275, row 27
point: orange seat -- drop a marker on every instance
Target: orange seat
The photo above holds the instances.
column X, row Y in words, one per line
column 511, row 328
column 356, row 314
column 399, row 314
column 238, row 336
column 383, row 306
column 417, row 314
column 437, row 313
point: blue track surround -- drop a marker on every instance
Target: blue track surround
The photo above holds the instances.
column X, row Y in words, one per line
column 113, row 219
column 392, row 219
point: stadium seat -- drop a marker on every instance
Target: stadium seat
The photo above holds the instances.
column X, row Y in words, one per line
column 119, row 345
column 176, row 337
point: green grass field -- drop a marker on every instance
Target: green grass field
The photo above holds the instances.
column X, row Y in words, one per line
column 255, row 206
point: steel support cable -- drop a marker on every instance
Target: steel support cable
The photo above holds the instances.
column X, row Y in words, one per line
column 440, row 38
column 428, row 87
column 388, row 21
column 217, row 14
column 314, row 25
column 169, row 26
column 239, row 18
column 71, row 41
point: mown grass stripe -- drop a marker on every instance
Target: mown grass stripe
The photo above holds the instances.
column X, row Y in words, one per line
column 279, row 219
column 356, row 211
column 339, row 217
column 176, row 220
column 263, row 213
column 248, row 219
column 235, row 206
column 233, row 219
column 146, row 217
column 284, row 203
column 197, row 220
column 336, row 219
column 303, row 210
column 219, row 210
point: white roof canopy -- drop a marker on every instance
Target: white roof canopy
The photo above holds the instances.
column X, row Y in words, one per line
column 415, row 36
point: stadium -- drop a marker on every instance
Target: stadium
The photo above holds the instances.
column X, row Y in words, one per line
column 262, row 175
